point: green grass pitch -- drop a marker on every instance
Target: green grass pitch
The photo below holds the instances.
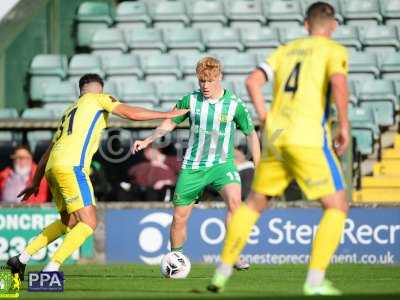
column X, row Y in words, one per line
column 267, row 282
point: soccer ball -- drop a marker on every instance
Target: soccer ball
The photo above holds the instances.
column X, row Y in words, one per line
column 175, row 265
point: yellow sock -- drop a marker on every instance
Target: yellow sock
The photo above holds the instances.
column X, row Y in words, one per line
column 327, row 238
column 238, row 232
column 73, row 240
column 49, row 234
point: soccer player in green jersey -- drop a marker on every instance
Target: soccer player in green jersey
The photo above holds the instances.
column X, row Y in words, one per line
column 214, row 115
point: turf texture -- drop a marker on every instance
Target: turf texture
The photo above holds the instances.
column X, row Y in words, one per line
column 260, row 282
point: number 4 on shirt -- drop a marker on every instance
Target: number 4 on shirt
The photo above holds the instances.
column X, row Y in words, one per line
column 293, row 79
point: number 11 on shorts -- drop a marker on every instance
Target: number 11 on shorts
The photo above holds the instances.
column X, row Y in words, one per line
column 234, row 176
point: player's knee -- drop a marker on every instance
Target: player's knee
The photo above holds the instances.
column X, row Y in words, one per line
column 257, row 202
column 234, row 203
column 180, row 219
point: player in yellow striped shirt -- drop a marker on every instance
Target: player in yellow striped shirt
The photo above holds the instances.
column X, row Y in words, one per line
column 66, row 166
column 305, row 74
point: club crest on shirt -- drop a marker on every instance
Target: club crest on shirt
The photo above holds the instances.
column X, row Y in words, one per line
column 224, row 118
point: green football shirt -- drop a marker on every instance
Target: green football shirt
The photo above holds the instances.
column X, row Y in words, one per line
column 212, row 128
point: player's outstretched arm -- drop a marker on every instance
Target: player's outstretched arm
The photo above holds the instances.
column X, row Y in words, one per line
column 254, row 84
column 254, row 145
column 33, row 189
column 165, row 127
column 135, row 113
column 340, row 95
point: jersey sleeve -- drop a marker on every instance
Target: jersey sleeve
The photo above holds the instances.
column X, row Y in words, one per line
column 107, row 102
column 270, row 65
column 184, row 103
column 243, row 119
column 338, row 61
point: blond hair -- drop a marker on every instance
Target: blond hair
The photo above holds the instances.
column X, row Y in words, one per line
column 208, row 69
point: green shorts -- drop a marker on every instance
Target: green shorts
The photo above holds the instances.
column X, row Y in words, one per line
column 191, row 183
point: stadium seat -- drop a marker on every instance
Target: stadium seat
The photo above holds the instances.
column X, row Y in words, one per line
column 145, row 41
column 390, row 10
column 259, row 38
column 378, row 38
column 6, row 137
column 122, row 66
column 91, row 17
column 169, row 93
column 361, row 12
column 132, row 14
column 57, row 109
column 207, row 14
column 106, row 42
column 262, row 55
column 363, row 65
column 396, row 83
column 281, row 12
column 245, row 13
column 390, row 65
column 379, row 95
column 240, row 90
column 63, row 92
column 167, row 13
column 334, row 3
column 8, row 113
column 348, row 36
column 288, row 34
column 367, row 118
column 238, row 66
column 188, row 64
column 110, row 87
column 37, row 113
column 224, row 40
column 81, row 64
column 184, row 40
column 174, row 91
column 364, row 138
column 39, row 140
column 46, row 69
column 161, row 67
column 353, row 101
column 138, row 92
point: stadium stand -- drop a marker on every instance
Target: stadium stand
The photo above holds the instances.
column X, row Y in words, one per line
column 147, row 51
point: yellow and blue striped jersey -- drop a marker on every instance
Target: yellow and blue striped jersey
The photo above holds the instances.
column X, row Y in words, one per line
column 301, row 72
column 79, row 131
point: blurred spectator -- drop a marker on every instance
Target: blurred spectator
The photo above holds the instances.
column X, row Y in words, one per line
column 16, row 178
column 245, row 169
column 153, row 179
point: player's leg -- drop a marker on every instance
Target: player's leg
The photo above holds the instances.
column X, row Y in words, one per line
column 327, row 240
column 318, row 172
column 231, row 194
column 189, row 187
column 179, row 226
column 49, row 234
column 271, row 178
column 80, row 203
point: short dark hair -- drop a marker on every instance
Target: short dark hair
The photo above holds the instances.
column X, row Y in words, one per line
column 88, row 78
column 320, row 11
column 22, row 147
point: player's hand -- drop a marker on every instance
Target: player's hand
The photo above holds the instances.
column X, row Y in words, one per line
column 139, row 145
column 29, row 191
column 342, row 140
column 176, row 113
